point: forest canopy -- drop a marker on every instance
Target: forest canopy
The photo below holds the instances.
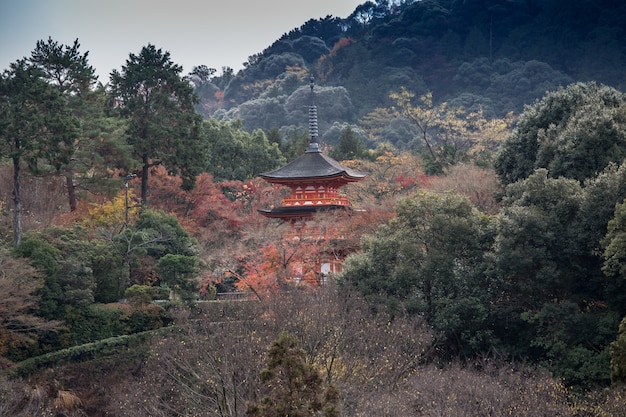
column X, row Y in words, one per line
column 483, row 255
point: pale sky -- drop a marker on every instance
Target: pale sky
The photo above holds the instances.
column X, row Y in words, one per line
column 195, row 32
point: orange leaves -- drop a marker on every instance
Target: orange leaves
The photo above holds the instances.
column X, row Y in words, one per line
column 296, row 256
column 324, row 65
column 264, row 270
column 341, row 43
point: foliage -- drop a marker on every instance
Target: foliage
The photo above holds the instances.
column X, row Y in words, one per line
column 295, row 387
column 159, row 106
column 575, row 343
column 552, row 281
column 574, row 132
column 19, row 285
column 496, row 58
column 480, row 185
column 165, row 233
column 111, row 214
column 389, row 175
column 286, row 256
column 523, row 81
column 139, row 294
column 153, row 236
column 428, row 260
column 43, row 200
column 618, row 355
column 614, row 256
column 236, row 154
column 37, row 128
column 451, row 134
column 539, row 278
column 99, row 147
column 78, row 273
column 203, row 366
column 348, row 147
column 85, row 352
column 179, row 273
column 537, row 250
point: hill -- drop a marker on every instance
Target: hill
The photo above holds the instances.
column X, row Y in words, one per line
column 497, row 55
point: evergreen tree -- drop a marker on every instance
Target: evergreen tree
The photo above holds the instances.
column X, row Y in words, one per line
column 574, row 132
column 295, row 387
column 349, row 146
column 99, row 146
column 37, row 129
column 163, row 125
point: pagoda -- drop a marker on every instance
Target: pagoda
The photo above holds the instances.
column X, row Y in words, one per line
column 314, row 180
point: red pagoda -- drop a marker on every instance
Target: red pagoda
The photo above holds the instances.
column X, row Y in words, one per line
column 314, row 179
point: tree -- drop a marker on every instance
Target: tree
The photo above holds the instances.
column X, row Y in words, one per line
column 614, row 255
column 153, row 236
column 615, row 243
column 163, row 125
column 618, row 355
column 451, row 134
column 295, row 387
column 236, row 154
column 430, row 260
column 537, row 249
column 350, row 146
column 574, row 132
column 37, row 129
column 551, row 279
column 19, row 283
column 179, row 273
column 98, row 148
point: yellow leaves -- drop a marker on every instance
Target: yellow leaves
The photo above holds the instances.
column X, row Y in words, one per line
column 112, row 214
column 302, row 74
column 420, row 114
column 444, row 128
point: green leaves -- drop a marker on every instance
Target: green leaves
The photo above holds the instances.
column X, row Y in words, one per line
column 235, row 154
column 294, row 386
column 426, row 260
column 574, row 132
column 163, row 125
column 179, row 273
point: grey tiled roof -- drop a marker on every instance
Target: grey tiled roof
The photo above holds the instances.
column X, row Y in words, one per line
column 313, row 164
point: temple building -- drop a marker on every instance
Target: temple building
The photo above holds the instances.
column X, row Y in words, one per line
column 314, row 180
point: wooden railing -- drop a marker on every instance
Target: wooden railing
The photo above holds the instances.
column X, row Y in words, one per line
column 311, row 201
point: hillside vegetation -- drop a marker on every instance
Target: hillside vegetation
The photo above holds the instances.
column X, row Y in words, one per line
column 497, row 56
column 485, row 260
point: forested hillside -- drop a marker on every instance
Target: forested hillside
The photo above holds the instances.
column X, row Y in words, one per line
column 484, row 260
column 493, row 55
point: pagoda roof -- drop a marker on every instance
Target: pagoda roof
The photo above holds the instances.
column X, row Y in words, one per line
column 300, row 211
column 312, row 165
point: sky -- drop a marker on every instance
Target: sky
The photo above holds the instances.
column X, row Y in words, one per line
column 195, row 32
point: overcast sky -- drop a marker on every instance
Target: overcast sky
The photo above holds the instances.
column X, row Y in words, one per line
column 195, row 32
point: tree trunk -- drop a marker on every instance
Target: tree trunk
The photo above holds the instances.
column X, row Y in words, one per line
column 144, row 181
column 71, row 192
column 17, row 203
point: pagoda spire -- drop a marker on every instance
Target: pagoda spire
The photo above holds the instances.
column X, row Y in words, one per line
column 313, row 132
column 314, row 179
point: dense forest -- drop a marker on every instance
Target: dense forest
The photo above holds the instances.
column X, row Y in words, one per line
column 497, row 56
column 486, row 259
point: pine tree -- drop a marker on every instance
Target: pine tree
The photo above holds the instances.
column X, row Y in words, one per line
column 295, row 387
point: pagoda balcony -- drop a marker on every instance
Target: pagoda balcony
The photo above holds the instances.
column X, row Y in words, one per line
column 319, row 201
